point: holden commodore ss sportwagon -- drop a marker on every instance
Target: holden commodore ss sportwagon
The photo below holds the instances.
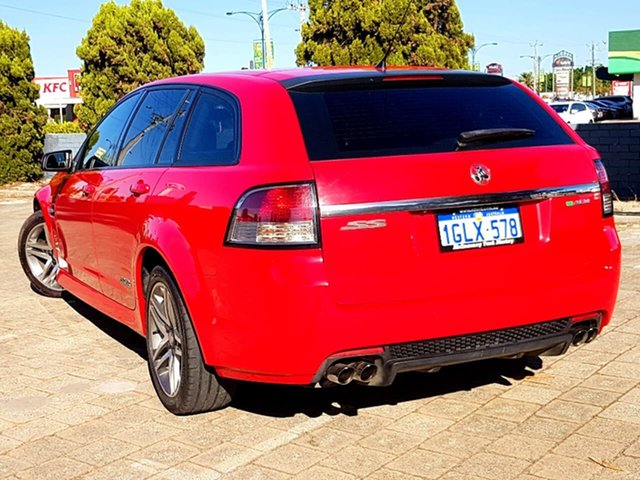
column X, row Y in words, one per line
column 328, row 226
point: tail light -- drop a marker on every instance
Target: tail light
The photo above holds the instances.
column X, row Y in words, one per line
column 605, row 189
column 284, row 215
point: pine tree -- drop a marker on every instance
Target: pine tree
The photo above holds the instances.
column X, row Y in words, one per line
column 21, row 121
column 358, row 32
column 128, row 46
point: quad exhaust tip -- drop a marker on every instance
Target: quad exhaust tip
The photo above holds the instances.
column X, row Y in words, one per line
column 343, row 374
column 340, row 373
column 580, row 337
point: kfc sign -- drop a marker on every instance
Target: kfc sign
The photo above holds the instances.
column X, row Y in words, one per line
column 53, row 89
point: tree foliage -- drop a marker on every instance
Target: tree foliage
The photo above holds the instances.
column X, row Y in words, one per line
column 128, row 46
column 358, row 32
column 21, row 121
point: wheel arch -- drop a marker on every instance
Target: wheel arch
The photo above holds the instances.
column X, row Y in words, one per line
column 165, row 245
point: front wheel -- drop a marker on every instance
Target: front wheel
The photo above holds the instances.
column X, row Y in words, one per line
column 36, row 256
column 182, row 381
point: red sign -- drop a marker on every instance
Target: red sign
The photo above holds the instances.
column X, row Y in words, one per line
column 621, row 88
column 74, row 86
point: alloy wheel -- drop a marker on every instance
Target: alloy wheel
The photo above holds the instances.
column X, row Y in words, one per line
column 40, row 259
column 165, row 353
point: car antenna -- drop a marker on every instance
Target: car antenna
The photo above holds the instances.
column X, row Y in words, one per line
column 382, row 64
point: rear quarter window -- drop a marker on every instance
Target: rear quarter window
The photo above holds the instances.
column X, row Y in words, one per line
column 416, row 117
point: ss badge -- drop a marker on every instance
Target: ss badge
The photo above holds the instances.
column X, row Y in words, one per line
column 364, row 225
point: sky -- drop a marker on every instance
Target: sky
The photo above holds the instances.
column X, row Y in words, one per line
column 57, row 27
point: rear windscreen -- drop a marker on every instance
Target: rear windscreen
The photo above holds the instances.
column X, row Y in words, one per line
column 369, row 121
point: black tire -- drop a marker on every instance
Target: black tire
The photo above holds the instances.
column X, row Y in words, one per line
column 197, row 389
column 36, row 256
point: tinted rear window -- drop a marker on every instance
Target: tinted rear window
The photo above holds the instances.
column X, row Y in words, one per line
column 369, row 121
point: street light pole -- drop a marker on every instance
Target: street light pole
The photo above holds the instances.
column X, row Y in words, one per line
column 540, row 59
column 259, row 19
column 475, row 50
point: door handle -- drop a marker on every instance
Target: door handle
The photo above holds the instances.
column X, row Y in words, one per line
column 88, row 189
column 139, row 188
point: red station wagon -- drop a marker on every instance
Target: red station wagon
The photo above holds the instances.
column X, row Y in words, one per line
column 328, row 226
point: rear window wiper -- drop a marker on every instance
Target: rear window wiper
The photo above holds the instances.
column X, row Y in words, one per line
column 492, row 135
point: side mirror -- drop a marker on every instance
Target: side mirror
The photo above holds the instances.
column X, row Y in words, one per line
column 59, row 161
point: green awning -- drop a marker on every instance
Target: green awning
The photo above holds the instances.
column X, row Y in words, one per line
column 624, row 52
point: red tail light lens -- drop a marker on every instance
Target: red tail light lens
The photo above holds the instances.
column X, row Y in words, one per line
column 605, row 189
column 283, row 215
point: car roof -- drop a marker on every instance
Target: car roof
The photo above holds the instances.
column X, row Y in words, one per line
column 298, row 76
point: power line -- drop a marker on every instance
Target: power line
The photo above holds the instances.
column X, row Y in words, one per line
column 44, row 14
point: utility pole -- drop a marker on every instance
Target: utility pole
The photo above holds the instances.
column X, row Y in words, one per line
column 301, row 8
column 267, row 36
column 536, row 65
column 594, row 46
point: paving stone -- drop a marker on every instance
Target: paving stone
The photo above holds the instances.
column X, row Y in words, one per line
column 327, row 439
column 290, row 459
column 627, row 412
column 448, row 408
column 556, row 467
column 254, row 472
column 361, row 425
column 590, row 396
column 606, row 382
column 579, row 446
column 456, row 444
column 317, row 472
column 510, row 410
column 424, row 464
column 545, row 428
column 387, row 474
column 165, row 454
column 391, row 441
column 423, row 426
column 622, row 369
column 572, row 369
column 531, row 393
column 569, row 411
column 520, row 446
column 186, row 471
column 492, row 466
column 55, row 470
column 358, row 461
column 102, row 452
column 482, row 426
column 610, row 429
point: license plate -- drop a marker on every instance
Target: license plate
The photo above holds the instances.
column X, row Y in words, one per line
column 489, row 227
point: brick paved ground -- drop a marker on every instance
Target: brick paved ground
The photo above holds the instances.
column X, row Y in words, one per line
column 75, row 401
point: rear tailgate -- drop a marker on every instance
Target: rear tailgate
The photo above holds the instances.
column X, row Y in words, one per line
column 402, row 218
column 382, row 242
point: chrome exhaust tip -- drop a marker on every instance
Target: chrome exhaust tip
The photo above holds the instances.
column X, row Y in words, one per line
column 591, row 334
column 579, row 337
column 364, row 371
column 340, row 373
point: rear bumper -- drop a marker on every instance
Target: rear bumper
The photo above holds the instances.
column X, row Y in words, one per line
column 279, row 322
column 545, row 338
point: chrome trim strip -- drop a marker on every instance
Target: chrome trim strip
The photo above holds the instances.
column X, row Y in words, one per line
column 446, row 203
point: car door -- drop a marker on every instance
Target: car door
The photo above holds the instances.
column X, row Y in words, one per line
column 580, row 114
column 73, row 204
column 121, row 204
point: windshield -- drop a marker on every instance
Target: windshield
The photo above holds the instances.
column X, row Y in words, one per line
column 369, row 121
column 560, row 108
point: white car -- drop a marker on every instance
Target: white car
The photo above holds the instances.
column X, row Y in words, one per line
column 574, row 112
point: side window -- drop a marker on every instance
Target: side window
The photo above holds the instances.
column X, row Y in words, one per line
column 172, row 140
column 578, row 107
column 149, row 125
column 211, row 137
column 100, row 149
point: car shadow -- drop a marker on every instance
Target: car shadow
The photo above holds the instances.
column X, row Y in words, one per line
column 280, row 401
column 286, row 401
column 116, row 330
